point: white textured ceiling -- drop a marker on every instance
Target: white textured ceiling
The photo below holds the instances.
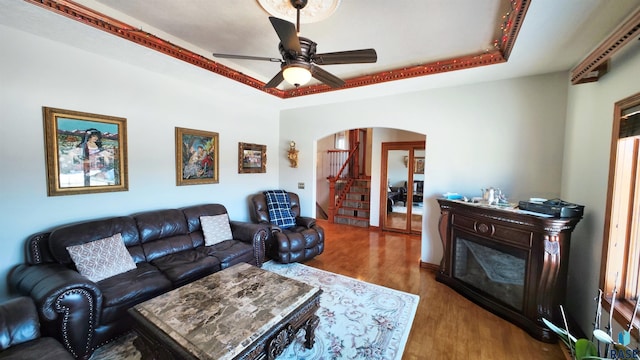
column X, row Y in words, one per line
column 555, row 35
column 413, row 33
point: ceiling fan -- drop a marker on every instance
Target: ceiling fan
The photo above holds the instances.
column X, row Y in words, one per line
column 299, row 58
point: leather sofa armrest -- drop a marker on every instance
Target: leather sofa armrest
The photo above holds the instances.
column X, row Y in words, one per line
column 254, row 234
column 68, row 303
column 19, row 322
column 306, row 222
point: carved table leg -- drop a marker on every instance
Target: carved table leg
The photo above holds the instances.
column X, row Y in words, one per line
column 310, row 331
column 280, row 341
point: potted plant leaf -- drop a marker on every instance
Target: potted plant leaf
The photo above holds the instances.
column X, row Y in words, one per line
column 585, row 349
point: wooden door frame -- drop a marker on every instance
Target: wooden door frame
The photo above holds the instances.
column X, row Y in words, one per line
column 401, row 145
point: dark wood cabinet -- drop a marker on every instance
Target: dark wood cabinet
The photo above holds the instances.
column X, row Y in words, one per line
column 512, row 263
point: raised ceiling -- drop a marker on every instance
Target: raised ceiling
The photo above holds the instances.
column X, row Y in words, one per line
column 412, row 38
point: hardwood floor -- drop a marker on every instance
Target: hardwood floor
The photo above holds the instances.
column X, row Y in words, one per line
column 446, row 325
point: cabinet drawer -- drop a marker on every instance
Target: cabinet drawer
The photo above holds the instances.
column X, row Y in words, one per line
column 463, row 222
column 511, row 235
column 489, row 229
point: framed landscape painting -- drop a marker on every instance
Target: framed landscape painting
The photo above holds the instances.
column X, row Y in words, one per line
column 252, row 158
column 85, row 153
column 196, row 157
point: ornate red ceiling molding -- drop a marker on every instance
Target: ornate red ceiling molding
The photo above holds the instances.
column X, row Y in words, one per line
column 467, row 62
column 596, row 64
column 512, row 21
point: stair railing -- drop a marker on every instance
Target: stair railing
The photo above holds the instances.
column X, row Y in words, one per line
column 336, row 158
column 336, row 202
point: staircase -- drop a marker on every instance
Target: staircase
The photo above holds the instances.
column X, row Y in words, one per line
column 355, row 207
column 349, row 187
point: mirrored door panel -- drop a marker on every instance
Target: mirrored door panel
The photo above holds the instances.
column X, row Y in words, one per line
column 397, row 177
column 403, row 168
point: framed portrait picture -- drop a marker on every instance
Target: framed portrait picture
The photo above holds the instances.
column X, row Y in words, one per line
column 197, row 155
column 252, row 158
column 418, row 165
column 85, row 153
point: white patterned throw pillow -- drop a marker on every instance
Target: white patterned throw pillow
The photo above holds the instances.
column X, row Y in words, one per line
column 215, row 228
column 101, row 259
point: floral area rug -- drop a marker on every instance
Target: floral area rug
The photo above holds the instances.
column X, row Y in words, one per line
column 358, row 320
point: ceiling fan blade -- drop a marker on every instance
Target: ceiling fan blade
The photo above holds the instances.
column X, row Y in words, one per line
column 246, row 57
column 326, row 77
column 346, row 57
column 287, row 33
column 275, row 81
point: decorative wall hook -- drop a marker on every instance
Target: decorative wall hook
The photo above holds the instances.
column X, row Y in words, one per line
column 293, row 154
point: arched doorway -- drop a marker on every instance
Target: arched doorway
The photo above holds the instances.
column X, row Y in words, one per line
column 372, row 167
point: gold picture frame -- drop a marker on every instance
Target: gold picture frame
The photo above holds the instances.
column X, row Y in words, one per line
column 197, row 154
column 252, row 158
column 85, row 153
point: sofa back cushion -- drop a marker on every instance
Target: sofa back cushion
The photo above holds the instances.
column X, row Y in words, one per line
column 82, row 233
column 163, row 232
column 259, row 210
column 192, row 215
column 295, row 204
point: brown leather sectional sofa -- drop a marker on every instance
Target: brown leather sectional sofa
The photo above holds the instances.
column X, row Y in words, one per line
column 20, row 333
column 168, row 249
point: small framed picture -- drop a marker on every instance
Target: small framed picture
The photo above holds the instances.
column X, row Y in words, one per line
column 252, row 158
column 86, row 153
column 197, row 154
column 418, row 165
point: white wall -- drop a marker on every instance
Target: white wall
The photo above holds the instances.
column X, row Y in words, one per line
column 507, row 134
column 585, row 173
column 36, row 72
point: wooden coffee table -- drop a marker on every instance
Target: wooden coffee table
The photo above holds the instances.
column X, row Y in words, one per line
column 242, row 312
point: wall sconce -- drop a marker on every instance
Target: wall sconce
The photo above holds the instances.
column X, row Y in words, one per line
column 406, row 161
column 293, row 154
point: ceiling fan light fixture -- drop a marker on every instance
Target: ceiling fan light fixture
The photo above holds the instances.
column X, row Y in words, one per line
column 296, row 75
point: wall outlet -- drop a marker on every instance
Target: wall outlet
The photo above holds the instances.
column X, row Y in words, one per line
column 300, row 185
